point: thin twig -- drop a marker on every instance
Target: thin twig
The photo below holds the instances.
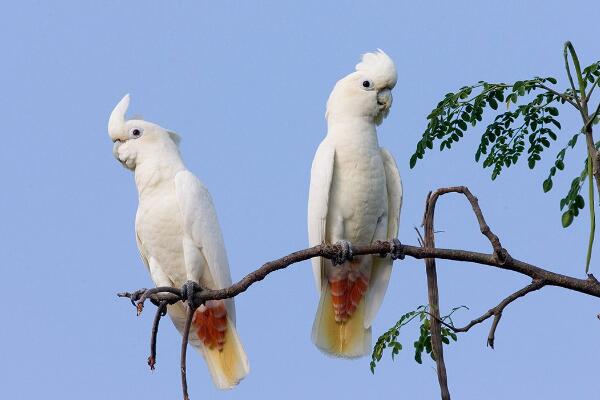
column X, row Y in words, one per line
column 490, row 339
column 150, row 292
column 533, row 286
column 497, row 311
column 589, row 95
column 160, row 311
column 419, row 237
column 592, row 117
column 184, row 343
column 561, row 95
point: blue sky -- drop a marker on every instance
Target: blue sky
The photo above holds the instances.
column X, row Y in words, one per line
column 245, row 85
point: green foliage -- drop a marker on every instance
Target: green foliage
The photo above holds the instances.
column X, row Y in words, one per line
column 389, row 340
column 504, row 140
column 559, row 164
column 528, row 127
column 591, row 73
column 573, row 201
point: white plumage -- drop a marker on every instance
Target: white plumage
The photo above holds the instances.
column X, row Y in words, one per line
column 355, row 195
column 179, row 238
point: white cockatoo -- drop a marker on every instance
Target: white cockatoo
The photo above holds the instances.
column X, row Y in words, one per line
column 355, row 196
column 179, row 239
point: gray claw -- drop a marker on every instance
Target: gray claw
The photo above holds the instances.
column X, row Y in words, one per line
column 397, row 252
column 188, row 292
column 135, row 296
column 345, row 254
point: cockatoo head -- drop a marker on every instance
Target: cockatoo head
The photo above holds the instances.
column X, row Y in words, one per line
column 367, row 92
column 136, row 139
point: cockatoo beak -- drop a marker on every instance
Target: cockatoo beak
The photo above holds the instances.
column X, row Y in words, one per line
column 116, row 122
column 384, row 99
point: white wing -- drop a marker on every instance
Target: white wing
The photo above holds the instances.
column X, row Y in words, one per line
column 321, row 176
column 141, row 250
column 202, row 239
column 394, row 190
column 382, row 267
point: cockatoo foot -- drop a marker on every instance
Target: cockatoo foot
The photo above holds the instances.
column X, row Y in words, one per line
column 135, row 296
column 397, row 252
column 188, row 292
column 345, row 253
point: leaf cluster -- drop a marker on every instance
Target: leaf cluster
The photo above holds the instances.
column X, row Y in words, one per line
column 389, row 339
column 504, row 140
column 526, row 129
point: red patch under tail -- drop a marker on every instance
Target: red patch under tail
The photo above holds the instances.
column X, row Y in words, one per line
column 346, row 294
column 210, row 322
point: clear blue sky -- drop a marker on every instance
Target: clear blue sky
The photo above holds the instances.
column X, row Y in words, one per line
column 245, row 84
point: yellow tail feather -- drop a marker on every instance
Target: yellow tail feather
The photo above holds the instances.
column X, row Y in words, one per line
column 349, row 339
column 230, row 365
column 227, row 367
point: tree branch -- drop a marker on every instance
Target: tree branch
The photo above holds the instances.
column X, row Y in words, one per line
column 184, row 343
column 499, row 258
column 561, row 95
column 433, row 296
column 586, row 286
column 497, row 311
column 160, row 312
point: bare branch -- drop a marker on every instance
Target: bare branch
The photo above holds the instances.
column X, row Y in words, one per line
column 184, row 343
column 433, row 295
column 419, row 237
column 490, row 339
column 497, row 311
column 160, row 312
column 586, row 286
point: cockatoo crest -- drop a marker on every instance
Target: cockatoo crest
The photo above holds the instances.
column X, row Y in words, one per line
column 367, row 92
column 380, row 67
column 135, row 137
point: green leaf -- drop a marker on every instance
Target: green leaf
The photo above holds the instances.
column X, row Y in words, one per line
column 547, row 185
column 517, row 86
column 413, row 161
column 567, row 218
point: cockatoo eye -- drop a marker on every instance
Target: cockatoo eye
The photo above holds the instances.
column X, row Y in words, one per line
column 367, row 85
column 136, row 132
